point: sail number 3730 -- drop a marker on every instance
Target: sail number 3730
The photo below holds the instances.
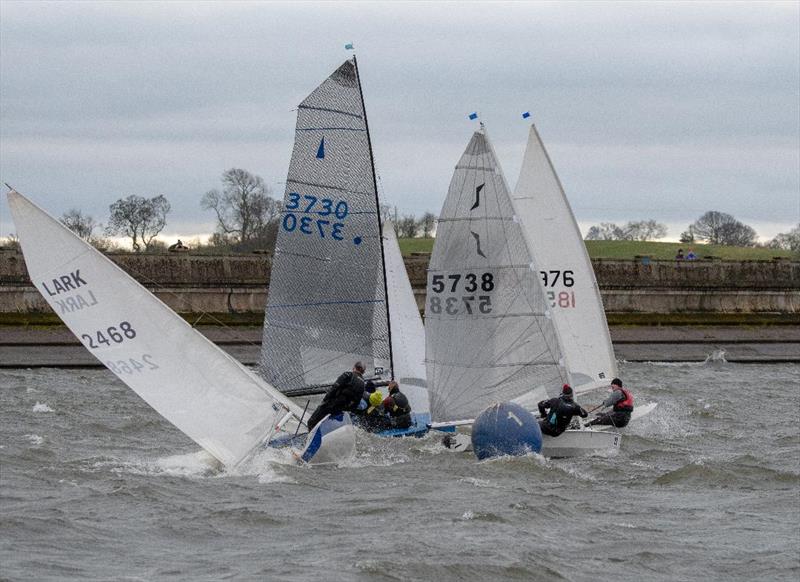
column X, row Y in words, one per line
column 306, row 214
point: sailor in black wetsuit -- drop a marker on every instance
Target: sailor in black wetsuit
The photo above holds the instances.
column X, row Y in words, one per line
column 622, row 401
column 344, row 394
column 398, row 407
column 557, row 412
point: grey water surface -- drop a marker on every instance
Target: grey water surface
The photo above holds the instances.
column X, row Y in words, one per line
column 94, row 485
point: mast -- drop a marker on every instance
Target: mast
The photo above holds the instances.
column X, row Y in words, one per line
column 378, row 211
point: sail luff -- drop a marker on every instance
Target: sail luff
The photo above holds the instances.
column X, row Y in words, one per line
column 380, row 222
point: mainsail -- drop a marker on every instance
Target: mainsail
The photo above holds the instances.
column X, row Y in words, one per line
column 327, row 306
column 187, row 379
column 408, row 334
column 566, row 272
column 489, row 336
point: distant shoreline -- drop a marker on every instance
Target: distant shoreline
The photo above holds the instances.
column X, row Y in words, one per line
column 56, row 347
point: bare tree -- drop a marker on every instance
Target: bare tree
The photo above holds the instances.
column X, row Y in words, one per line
column 723, row 229
column 687, row 236
column 605, row 231
column 139, row 218
column 788, row 241
column 427, row 224
column 407, row 226
column 644, row 230
column 80, row 224
column 244, row 207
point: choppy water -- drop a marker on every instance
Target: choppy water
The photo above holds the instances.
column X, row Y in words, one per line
column 96, row 486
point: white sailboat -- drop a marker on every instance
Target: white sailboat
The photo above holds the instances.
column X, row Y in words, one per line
column 559, row 254
column 328, row 304
column 489, row 329
column 193, row 384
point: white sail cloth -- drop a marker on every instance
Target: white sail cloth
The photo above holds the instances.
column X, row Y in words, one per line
column 193, row 384
column 560, row 258
column 408, row 334
column 489, row 336
column 326, row 307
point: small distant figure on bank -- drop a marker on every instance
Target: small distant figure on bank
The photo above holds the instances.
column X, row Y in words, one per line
column 557, row 412
column 397, row 406
column 679, row 255
column 690, row 256
column 344, row 395
column 621, row 400
column 178, row 246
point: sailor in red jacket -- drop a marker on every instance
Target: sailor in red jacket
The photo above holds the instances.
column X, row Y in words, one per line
column 622, row 401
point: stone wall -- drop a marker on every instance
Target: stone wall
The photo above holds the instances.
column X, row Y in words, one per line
column 238, row 283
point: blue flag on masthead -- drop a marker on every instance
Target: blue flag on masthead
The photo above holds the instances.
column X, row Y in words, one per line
column 526, row 115
column 473, row 115
column 348, row 46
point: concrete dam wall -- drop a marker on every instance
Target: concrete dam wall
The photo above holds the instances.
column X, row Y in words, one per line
column 237, row 284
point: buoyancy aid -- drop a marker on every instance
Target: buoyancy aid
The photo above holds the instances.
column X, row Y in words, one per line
column 560, row 415
column 625, row 405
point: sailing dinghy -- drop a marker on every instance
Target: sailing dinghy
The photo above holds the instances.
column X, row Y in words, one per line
column 188, row 380
column 328, row 302
column 489, row 329
column 559, row 254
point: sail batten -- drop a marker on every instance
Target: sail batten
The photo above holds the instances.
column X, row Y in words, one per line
column 329, row 311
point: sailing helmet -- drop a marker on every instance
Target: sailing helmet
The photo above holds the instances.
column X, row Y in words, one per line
column 375, row 398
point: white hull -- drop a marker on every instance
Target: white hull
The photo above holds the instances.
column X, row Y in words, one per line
column 331, row 442
column 576, row 443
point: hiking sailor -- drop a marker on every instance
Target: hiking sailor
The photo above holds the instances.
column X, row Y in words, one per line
column 398, row 407
column 622, row 401
column 344, row 395
column 557, row 412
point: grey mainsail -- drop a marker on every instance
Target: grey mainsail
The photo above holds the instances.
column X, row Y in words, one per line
column 326, row 306
column 488, row 333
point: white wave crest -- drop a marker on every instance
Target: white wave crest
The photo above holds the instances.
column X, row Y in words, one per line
column 41, row 407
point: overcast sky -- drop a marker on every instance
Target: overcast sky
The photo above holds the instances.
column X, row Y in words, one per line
column 648, row 110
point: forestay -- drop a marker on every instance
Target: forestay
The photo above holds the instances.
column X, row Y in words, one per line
column 187, row 379
column 489, row 337
column 408, row 334
column 566, row 272
column 327, row 298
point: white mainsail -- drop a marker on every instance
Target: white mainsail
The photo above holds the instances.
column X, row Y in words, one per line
column 489, row 336
column 326, row 306
column 192, row 383
column 563, row 264
column 408, row 333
